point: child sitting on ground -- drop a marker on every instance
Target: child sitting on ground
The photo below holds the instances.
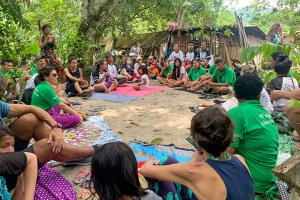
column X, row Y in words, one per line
column 153, row 71
column 144, row 84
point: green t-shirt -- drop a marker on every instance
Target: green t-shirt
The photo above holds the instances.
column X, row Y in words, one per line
column 212, row 69
column 227, row 76
column 44, row 96
column 256, row 140
column 195, row 74
column 17, row 72
column 167, row 71
column 34, row 71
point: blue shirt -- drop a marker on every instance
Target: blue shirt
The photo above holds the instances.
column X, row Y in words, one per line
column 4, row 110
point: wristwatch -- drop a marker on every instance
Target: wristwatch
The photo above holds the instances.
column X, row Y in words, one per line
column 58, row 125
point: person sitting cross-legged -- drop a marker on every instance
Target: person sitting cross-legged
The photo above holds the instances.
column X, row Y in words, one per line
column 76, row 85
column 165, row 73
column 194, row 75
column 44, row 97
column 254, row 126
column 101, row 79
column 200, row 83
column 222, row 80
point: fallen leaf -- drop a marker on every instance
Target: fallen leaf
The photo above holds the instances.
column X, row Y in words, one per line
column 156, row 141
column 134, row 123
column 157, row 116
column 127, row 126
column 128, row 120
column 120, row 132
column 157, row 130
column 141, row 114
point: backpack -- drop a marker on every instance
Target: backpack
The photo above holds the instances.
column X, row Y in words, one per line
column 26, row 98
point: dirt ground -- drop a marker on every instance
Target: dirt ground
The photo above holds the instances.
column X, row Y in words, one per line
column 164, row 114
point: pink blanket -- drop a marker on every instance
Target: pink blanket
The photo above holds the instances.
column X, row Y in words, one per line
column 129, row 91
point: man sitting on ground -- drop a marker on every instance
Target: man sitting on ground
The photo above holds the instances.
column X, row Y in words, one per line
column 253, row 127
column 7, row 69
column 222, row 80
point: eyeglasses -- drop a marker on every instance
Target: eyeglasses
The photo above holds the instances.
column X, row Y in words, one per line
column 54, row 75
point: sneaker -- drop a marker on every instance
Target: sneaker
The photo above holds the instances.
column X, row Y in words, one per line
column 81, row 162
column 85, row 95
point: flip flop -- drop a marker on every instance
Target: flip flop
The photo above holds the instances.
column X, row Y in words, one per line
column 75, row 103
column 82, row 176
column 97, row 109
column 216, row 101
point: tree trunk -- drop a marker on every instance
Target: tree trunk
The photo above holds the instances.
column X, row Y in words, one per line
column 93, row 14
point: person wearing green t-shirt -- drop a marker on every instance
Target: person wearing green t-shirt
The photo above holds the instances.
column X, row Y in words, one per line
column 194, row 75
column 165, row 72
column 205, row 77
column 222, row 80
column 256, row 135
column 7, row 68
column 45, row 98
column 40, row 62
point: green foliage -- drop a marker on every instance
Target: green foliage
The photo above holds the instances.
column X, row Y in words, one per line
column 295, row 103
column 268, row 75
column 266, row 49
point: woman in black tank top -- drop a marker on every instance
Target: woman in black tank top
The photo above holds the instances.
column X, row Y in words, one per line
column 76, row 85
column 47, row 44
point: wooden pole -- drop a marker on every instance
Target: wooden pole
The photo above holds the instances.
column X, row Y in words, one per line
column 227, row 55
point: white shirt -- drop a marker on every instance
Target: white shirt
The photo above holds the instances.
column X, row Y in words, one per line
column 112, row 70
column 190, row 56
column 30, row 82
column 92, row 81
column 146, row 78
column 174, row 55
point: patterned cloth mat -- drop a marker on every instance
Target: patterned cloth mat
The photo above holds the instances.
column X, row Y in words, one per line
column 95, row 131
column 144, row 151
column 52, row 185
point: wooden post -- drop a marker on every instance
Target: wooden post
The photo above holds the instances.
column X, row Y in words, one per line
column 227, row 55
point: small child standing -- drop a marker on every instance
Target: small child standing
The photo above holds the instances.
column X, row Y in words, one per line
column 144, row 84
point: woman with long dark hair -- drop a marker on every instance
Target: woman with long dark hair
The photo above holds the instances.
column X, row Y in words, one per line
column 47, row 43
column 178, row 74
column 275, row 33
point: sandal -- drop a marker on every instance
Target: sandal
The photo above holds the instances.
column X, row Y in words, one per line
column 97, row 109
column 216, row 101
column 76, row 103
column 82, row 176
column 84, row 194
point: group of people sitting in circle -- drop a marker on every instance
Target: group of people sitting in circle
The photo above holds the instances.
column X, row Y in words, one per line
column 233, row 156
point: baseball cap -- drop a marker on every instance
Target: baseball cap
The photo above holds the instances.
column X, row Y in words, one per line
column 155, row 64
column 39, row 57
